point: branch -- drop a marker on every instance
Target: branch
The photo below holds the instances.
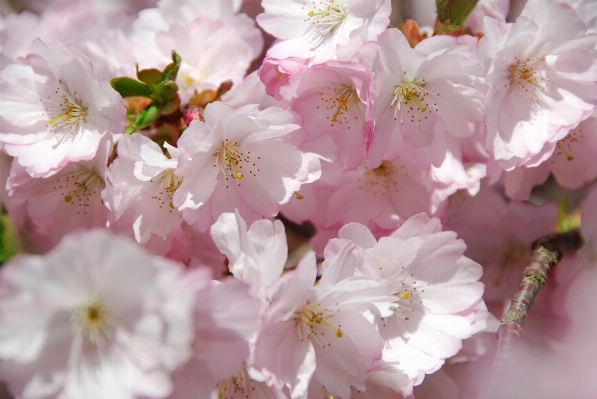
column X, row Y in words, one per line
column 547, row 252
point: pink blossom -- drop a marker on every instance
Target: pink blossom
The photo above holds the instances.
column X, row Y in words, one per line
column 321, row 30
column 332, row 98
column 424, row 266
column 141, row 181
column 542, row 73
column 275, row 73
column 572, row 163
column 319, row 330
column 206, row 35
column 384, row 197
column 66, row 201
column 421, row 108
column 96, row 317
column 225, row 318
column 53, row 111
column 241, row 159
column 256, row 255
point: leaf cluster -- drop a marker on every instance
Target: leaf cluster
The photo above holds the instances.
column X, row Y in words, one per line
column 158, row 86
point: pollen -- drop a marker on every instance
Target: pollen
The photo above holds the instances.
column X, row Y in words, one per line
column 313, row 322
column 80, row 188
column 66, row 114
column 410, row 99
column 167, row 184
column 93, row 321
column 529, row 77
column 234, row 162
column 326, row 17
column 340, row 103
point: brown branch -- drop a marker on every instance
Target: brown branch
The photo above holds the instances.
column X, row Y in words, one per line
column 547, row 252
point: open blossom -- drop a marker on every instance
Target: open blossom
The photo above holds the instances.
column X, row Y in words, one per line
column 542, row 71
column 321, row 29
column 256, row 255
column 225, row 319
column 68, row 200
column 572, row 163
column 382, row 198
column 53, row 111
column 141, row 181
column 214, row 43
column 320, row 330
column 242, row 159
column 435, row 288
column 332, row 98
column 420, row 107
column 95, row 317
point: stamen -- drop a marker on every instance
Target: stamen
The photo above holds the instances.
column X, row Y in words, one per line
column 326, row 16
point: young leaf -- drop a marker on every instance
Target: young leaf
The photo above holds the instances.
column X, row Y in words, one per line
column 128, row 87
column 147, row 116
column 150, row 77
column 455, row 11
column 171, row 69
column 164, row 92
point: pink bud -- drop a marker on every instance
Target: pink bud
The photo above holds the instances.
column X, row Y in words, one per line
column 191, row 113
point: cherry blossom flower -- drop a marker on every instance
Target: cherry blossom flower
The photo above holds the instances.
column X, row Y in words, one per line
column 215, row 44
column 572, row 163
column 275, row 73
column 142, row 181
column 321, row 29
column 94, row 317
column 332, row 98
column 225, row 318
column 542, row 73
column 241, row 159
column 53, row 111
column 256, row 255
column 320, row 330
column 421, row 108
column 66, row 201
column 384, row 197
column 424, row 266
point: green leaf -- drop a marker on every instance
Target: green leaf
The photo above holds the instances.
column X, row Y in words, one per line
column 164, row 92
column 150, row 77
column 171, row 70
column 128, row 87
column 8, row 239
column 455, row 11
column 147, row 116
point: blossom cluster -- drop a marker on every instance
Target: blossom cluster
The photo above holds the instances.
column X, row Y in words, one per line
column 150, row 154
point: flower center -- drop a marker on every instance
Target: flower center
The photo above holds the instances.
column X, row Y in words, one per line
column 80, row 185
column 66, row 116
column 231, row 158
column 93, row 321
column 410, row 95
column 380, row 181
column 168, row 184
column 340, row 101
column 326, row 16
column 312, row 322
column 408, row 298
column 530, row 77
column 240, row 385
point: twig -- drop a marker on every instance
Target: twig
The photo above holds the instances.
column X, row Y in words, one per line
column 547, row 252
